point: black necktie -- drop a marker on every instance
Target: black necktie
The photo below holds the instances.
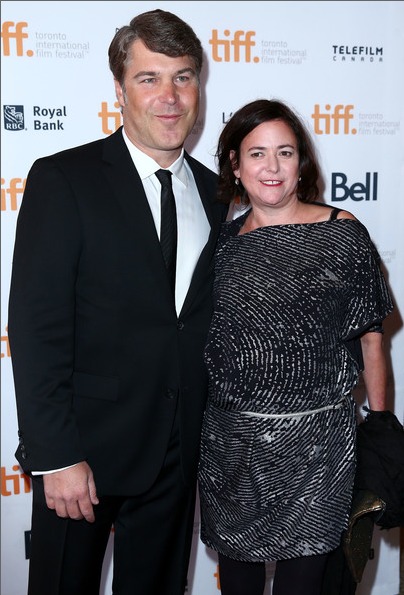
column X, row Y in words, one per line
column 168, row 228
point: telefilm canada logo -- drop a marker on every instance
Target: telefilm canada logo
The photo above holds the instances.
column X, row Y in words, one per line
column 357, row 53
column 13, row 117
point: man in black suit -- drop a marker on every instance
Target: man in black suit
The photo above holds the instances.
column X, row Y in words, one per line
column 108, row 360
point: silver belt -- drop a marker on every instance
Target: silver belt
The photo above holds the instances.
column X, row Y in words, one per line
column 297, row 414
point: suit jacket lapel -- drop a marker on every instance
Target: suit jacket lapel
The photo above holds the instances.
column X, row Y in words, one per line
column 129, row 194
column 207, row 192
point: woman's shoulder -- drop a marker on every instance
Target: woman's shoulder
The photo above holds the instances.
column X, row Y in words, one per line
column 342, row 214
column 325, row 212
column 355, row 231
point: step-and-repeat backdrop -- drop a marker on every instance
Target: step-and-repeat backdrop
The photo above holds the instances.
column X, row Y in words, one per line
column 339, row 64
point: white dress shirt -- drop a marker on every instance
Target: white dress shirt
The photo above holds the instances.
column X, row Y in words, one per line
column 192, row 223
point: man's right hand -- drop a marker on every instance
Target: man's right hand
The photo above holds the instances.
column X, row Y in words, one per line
column 72, row 492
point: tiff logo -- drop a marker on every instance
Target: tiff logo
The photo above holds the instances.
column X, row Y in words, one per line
column 14, row 31
column 13, row 117
column 329, row 123
column 11, row 483
column 11, row 195
column 107, row 116
column 229, row 50
column 4, row 339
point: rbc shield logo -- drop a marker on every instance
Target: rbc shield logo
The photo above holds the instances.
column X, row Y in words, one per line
column 13, row 117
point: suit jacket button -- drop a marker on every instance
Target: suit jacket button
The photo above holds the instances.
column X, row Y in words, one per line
column 170, row 394
column 180, row 325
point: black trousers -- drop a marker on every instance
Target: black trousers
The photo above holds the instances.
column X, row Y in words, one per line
column 152, row 540
column 338, row 579
column 297, row 576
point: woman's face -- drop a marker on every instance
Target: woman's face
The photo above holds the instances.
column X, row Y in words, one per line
column 269, row 164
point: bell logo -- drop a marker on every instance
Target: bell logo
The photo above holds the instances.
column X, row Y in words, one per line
column 14, row 31
column 230, row 50
column 357, row 191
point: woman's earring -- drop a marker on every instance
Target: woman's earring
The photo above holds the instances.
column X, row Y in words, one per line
column 237, row 181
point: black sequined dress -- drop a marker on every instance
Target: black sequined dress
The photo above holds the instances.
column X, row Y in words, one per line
column 278, row 441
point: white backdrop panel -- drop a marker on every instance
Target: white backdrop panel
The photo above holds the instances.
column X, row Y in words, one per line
column 338, row 63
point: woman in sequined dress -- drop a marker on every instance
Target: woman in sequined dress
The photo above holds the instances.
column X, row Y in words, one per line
column 299, row 304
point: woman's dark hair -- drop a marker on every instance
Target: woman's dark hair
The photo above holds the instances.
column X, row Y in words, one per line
column 242, row 123
column 161, row 32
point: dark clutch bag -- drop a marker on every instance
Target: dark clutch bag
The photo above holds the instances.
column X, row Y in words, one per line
column 367, row 508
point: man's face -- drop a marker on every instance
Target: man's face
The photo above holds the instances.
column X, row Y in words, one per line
column 159, row 100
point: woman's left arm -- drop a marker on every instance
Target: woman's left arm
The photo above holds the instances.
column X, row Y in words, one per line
column 375, row 370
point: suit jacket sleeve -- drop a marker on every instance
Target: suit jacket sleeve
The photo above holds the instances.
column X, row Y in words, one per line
column 41, row 319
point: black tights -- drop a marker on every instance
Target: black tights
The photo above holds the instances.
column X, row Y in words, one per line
column 297, row 576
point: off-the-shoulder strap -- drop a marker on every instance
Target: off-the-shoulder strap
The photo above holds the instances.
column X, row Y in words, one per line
column 334, row 213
